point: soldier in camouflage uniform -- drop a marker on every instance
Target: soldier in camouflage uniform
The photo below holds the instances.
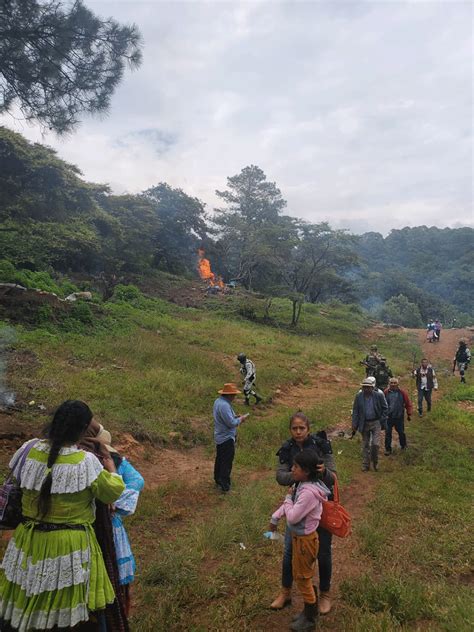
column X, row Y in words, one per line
column 371, row 361
column 382, row 374
column 249, row 374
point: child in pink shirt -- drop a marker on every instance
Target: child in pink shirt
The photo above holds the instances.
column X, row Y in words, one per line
column 302, row 509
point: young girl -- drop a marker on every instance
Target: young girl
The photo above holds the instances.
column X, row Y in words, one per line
column 302, row 509
column 303, row 439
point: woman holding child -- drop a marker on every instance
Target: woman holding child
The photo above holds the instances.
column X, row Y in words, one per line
column 53, row 574
column 302, row 440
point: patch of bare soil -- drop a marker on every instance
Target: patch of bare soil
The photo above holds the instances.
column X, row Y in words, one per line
column 467, row 406
column 321, row 383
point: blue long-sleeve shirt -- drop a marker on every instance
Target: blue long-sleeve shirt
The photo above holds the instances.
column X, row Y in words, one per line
column 225, row 421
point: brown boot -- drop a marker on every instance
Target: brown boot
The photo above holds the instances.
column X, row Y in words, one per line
column 324, row 603
column 283, row 599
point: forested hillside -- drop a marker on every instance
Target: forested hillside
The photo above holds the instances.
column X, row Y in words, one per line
column 52, row 221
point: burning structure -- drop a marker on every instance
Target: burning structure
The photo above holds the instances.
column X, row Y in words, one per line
column 206, row 273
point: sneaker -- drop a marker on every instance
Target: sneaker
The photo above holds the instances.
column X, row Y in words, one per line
column 388, row 452
column 365, row 468
column 420, row 414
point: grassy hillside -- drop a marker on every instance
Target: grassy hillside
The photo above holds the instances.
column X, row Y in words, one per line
column 152, row 368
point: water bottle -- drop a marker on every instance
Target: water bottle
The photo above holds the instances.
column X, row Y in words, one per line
column 273, row 535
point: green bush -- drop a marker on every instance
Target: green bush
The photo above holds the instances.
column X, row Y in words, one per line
column 82, row 312
column 128, row 294
column 40, row 280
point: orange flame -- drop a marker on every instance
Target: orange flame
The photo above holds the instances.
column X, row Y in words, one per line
column 204, row 268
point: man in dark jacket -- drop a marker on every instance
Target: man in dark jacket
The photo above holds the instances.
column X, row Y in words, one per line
column 426, row 381
column 398, row 401
column 369, row 417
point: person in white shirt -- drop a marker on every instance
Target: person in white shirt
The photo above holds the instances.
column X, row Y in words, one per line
column 426, row 381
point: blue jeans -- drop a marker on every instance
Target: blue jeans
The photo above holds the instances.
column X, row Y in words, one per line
column 324, row 560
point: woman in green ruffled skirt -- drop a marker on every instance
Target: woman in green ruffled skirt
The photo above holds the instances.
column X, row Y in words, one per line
column 53, row 573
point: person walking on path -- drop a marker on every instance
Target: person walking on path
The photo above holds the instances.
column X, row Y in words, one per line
column 303, row 508
column 249, row 374
column 397, row 401
column 462, row 359
column 382, row 374
column 53, row 574
column 303, row 439
column 369, row 417
column 426, row 381
column 226, row 423
column 437, row 329
column 371, row 361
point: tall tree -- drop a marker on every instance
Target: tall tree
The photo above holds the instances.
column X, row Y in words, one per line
column 319, row 257
column 58, row 61
column 182, row 227
column 250, row 228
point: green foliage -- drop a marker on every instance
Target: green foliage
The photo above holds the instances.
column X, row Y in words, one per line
column 128, row 294
column 35, row 280
column 51, row 219
column 399, row 311
column 182, row 228
column 82, row 312
column 434, row 269
column 59, row 61
column 403, row 598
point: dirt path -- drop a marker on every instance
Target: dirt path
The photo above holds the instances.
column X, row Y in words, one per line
column 444, row 350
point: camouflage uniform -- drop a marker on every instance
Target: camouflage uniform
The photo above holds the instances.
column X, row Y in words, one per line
column 371, row 362
column 382, row 375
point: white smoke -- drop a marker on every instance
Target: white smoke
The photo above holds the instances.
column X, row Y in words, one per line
column 7, row 338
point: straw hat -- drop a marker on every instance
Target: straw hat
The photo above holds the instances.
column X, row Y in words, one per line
column 367, row 382
column 105, row 436
column 229, row 389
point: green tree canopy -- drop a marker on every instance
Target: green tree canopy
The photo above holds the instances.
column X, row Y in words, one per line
column 399, row 311
column 182, row 227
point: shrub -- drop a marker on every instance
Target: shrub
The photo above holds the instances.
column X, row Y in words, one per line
column 128, row 294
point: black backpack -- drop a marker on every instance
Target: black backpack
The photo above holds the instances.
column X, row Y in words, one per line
column 461, row 355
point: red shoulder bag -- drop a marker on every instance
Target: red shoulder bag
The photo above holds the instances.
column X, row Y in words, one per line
column 335, row 518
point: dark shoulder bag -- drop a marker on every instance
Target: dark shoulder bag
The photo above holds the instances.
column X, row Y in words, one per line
column 10, row 493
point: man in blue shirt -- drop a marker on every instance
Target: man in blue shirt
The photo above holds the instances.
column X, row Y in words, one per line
column 226, row 423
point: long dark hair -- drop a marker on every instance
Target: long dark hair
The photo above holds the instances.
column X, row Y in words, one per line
column 308, row 461
column 69, row 422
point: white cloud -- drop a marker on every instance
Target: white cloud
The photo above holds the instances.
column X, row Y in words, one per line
column 361, row 112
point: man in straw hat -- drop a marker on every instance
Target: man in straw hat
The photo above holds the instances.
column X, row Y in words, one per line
column 226, row 423
column 369, row 417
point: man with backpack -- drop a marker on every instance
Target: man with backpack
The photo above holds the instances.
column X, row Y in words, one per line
column 462, row 359
column 382, row 374
column 371, row 361
column 426, row 381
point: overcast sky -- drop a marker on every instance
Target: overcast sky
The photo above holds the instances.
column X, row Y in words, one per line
column 360, row 112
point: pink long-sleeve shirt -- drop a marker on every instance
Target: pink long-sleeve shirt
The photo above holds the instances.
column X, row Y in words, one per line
column 303, row 514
